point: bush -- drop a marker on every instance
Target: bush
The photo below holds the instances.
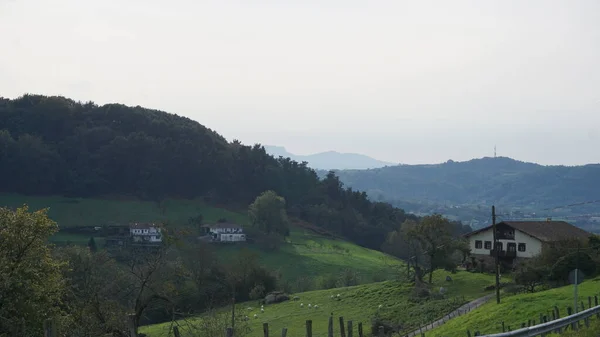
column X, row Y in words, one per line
column 328, row 281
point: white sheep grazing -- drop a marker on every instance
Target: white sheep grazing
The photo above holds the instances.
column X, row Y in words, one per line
column 338, row 295
column 249, row 308
column 309, row 306
column 380, row 306
column 255, row 316
column 331, row 296
column 262, row 310
column 301, row 305
column 316, row 306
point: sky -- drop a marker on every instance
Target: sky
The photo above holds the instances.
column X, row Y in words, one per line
column 402, row 81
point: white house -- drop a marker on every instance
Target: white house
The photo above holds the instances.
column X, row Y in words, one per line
column 522, row 239
column 146, row 233
column 225, row 232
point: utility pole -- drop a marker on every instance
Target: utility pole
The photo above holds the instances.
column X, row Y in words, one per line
column 576, row 276
column 495, row 248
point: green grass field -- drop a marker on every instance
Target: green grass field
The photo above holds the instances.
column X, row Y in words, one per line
column 74, row 212
column 516, row 309
column 304, row 254
column 358, row 303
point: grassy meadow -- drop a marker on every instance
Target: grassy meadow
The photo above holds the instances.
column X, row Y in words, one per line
column 358, row 303
column 516, row 309
column 303, row 258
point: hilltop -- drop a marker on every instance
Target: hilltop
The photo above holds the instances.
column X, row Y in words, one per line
column 358, row 303
column 54, row 146
column 467, row 189
column 330, row 159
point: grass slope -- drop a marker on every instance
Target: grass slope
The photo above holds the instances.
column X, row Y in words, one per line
column 516, row 309
column 358, row 303
column 75, row 212
column 304, row 254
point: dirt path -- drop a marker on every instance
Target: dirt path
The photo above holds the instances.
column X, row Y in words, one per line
column 458, row 312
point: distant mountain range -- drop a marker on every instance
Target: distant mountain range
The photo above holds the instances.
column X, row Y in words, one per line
column 330, row 160
column 468, row 189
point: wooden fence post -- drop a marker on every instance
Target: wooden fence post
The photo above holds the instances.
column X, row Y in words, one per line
column 284, row 332
column 330, row 327
column 176, row 332
column 503, row 329
column 596, row 304
column 309, row 328
column 342, row 329
column 360, row 331
column 229, row 332
column 266, row 329
column 468, row 333
column 349, row 328
column 132, row 326
column 381, row 332
column 50, row 328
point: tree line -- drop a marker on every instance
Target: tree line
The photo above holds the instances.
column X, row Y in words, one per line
column 56, row 146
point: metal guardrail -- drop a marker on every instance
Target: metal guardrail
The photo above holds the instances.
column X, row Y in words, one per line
column 549, row 326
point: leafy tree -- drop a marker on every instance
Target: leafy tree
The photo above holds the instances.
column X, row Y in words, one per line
column 434, row 234
column 95, row 285
column 31, row 284
column 268, row 214
column 531, row 274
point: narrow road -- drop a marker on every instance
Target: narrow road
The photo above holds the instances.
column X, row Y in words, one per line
column 458, row 312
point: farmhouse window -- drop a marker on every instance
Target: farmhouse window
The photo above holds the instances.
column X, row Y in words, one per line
column 512, row 247
column 499, row 246
column 522, row 247
column 478, row 244
column 488, row 245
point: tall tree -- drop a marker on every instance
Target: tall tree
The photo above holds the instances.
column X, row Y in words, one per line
column 31, row 284
column 434, row 233
column 268, row 214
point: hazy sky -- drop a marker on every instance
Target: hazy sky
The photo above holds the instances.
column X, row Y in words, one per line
column 402, row 81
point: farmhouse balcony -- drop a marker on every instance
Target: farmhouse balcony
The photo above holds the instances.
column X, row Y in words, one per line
column 504, row 253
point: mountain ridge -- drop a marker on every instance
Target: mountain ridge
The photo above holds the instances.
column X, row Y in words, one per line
column 329, row 160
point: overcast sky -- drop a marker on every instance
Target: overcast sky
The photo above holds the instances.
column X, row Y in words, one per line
column 402, row 81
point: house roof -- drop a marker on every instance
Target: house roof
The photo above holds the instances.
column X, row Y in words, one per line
column 546, row 231
column 222, row 225
column 142, row 225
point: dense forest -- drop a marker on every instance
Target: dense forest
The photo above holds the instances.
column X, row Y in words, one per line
column 56, row 146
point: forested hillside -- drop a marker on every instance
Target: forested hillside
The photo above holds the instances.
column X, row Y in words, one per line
column 476, row 184
column 56, row 146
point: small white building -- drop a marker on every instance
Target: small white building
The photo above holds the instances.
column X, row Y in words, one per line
column 145, row 233
column 225, row 232
column 522, row 239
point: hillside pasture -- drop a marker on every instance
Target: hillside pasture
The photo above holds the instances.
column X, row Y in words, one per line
column 516, row 309
column 357, row 303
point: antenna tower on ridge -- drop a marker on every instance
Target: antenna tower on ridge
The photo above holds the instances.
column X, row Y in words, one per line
column 494, row 151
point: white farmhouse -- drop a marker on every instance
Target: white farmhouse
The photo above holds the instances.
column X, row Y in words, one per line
column 145, row 233
column 225, row 232
column 522, row 239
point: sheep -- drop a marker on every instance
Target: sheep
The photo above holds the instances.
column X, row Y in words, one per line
column 262, row 310
column 301, row 305
column 338, row 295
column 249, row 308
column 316, row 306
column 255, row 316
column 331, row 296
column 380, row 306
column 309, row 306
